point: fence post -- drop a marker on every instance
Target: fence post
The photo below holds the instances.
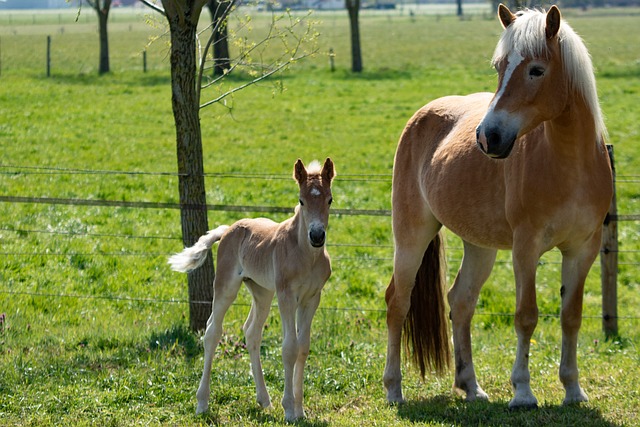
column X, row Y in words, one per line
column 48, row 56
column 609, row 262
column 144, row 61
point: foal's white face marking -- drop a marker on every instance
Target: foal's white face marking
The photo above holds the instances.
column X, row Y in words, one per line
column 315, row 192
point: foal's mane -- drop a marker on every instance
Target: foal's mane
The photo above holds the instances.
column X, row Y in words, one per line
column 526, row 34
column 314, row 168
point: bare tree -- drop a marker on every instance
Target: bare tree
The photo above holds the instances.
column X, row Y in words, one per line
column 186, row 85
column 102, row 8
column 353, row 8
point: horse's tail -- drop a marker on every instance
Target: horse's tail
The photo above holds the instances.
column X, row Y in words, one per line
column 426, row 327
column 191, row 258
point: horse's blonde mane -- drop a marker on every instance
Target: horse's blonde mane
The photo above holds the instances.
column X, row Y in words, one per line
column 527, row 35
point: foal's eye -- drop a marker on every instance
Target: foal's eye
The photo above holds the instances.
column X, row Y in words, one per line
column 301, row 203
column 536, row 72
column 330, row 200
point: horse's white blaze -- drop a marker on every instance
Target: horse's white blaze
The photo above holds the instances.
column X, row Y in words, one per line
column 513, row 61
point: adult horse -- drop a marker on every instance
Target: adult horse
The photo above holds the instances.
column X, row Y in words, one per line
column 524, row 169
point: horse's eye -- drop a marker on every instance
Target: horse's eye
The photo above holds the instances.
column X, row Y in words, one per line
column 536, row 72
column 301, row 203
column 330, row 200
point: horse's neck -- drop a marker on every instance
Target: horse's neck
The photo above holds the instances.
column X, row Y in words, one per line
column 573, row 133
column 296, row 229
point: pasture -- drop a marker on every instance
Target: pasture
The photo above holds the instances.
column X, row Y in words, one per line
column 94, row 328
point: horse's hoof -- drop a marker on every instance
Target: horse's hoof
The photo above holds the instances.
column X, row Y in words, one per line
column 575, row 397
column 394, row 395
column 479, row 396
column 524, row 404
column 202, row 408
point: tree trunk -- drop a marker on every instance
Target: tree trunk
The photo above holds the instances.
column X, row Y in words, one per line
column 104, row 44
column 103, row 19
column 459, row 4
column 221, row 57
column 183, row 21
column 353, row 7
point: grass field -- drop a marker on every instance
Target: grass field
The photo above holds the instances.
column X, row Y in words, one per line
column 95, row 330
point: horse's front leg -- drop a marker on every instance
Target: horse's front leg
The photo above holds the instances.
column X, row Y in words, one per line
column 475, row 269
column 305, row 315
column 287, row 306
column 525, row 261
column 575, row 267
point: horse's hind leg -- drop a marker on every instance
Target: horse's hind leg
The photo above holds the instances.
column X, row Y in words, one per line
column 476, row 266
column 575, row 268
column 226, row 286
column 411, row 242
column 252, row 328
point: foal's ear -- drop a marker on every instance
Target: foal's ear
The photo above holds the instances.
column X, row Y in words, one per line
column 328, row 170
column 505, row 15
column 553, row 22
column 299, row 172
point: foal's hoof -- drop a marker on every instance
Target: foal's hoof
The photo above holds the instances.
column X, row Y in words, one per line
column 202, row 408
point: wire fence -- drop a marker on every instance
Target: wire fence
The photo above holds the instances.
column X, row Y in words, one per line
column 352, row 179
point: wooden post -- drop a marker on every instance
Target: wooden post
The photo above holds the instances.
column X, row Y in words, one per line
column 144, row 61
column 609, row 262
column 48, row 56
column 332, row 57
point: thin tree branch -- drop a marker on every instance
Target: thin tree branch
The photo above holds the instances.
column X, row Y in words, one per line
column 216, row 25
column 154, row 7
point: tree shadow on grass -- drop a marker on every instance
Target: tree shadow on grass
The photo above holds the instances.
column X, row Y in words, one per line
column 451, row 410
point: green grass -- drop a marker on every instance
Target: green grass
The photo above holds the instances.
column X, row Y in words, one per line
column 96, row 328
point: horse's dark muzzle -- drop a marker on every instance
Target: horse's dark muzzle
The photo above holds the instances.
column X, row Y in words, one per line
column 317, row 236
column 494, row 143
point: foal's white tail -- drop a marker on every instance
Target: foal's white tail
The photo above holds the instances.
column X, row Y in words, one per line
column 191, row 258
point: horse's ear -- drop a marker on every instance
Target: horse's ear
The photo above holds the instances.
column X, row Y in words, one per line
column 553, row 22
column 299, row 172
column 505, row 15
column 328, row 170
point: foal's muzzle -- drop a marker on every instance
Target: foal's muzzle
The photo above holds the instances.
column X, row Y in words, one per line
column 317, row 236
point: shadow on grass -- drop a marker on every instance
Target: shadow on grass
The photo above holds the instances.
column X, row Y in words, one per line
column 178, row 338
column 451, row 410
column 258, row 416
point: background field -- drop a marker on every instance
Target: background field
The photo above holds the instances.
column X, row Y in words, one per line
column 95, row 328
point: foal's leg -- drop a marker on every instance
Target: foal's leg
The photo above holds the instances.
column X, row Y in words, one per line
column 411, row 241
column 252, row 328
column 575, row 267
column 463, row 297
column 305, row 315
column 525, row 261
column 226, row 286
column 287, row 306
